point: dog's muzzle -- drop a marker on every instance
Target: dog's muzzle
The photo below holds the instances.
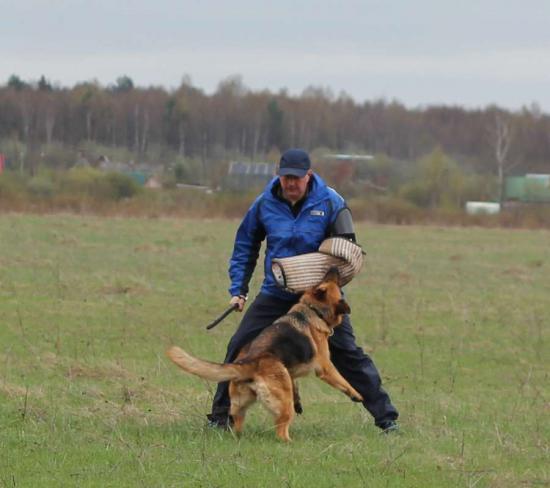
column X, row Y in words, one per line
column 298, row 273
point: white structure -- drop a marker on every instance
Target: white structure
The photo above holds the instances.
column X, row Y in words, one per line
column 349, row 157
column 476, row 208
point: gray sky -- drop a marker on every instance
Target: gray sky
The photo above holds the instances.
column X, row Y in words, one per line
column 461, row 52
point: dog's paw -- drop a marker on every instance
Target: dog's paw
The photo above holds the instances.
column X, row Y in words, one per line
column 355, row 397
column 298, row 408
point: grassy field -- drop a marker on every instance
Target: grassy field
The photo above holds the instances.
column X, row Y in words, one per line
column 457, row 321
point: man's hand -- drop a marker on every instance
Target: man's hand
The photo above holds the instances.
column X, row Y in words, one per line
column 239, row 300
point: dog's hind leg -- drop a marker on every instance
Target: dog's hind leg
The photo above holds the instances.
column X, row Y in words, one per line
column 274, row 389
column 296, row 396
column 242, row 397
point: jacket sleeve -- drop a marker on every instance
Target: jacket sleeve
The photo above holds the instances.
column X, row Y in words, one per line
column 246, row 249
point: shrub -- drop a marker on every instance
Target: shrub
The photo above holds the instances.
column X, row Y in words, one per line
column 180, row 172
column 12, row 186
column 81, row 180
column 396, row 211
column 386, row 210
column 41, row 186
column 58, row 156
column 417, row 193
column 90, row 182
column 116, row 186
column 14, row 150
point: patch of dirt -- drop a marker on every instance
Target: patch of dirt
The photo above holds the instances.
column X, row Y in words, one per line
column 402, row 277
column 111, row 371
column 17, row 391
column 152, row 248
column 68, row 240
column 120, row 289
column 202, row 239
column 518, row 273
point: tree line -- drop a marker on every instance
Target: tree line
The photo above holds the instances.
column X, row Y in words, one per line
column 235, row 121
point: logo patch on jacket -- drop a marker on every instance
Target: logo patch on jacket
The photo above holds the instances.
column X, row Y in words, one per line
column 318, row 213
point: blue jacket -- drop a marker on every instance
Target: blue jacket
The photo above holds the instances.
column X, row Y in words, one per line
column 271, row 218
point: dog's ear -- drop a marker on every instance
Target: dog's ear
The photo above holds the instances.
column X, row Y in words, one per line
column 333, row 275
column 320, row 293
column 342, row 307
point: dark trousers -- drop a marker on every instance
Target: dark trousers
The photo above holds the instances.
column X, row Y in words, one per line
column 350, row 360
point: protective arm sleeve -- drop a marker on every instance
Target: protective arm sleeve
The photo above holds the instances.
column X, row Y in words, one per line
column 343, row 225
column 248, row 240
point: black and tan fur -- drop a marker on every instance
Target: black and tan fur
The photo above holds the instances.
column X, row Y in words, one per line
column 292, row 346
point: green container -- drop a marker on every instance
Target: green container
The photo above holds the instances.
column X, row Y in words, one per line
column 531, row 188
column 139, row 177
column 514, row 188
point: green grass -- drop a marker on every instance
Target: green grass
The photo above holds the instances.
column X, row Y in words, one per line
column 456, row 320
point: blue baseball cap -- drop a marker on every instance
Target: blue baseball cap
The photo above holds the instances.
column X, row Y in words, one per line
column 294, row 162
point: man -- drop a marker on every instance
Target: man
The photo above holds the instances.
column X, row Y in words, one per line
column 295, row 213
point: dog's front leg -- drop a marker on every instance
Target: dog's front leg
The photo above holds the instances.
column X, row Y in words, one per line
column 327, row 372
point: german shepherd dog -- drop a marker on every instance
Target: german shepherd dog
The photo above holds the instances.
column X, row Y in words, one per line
column 292, row 346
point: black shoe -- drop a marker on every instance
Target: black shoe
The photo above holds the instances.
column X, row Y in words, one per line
column 389, row 427
column 219, row 422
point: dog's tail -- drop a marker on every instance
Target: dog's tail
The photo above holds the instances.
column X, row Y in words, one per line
column 208, row 370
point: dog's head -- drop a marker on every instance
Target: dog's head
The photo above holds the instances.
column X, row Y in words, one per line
column 327, row 298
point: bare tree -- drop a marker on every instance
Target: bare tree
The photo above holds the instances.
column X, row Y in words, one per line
column 136, row 128
column 145, row 132
column 501, row 137
column 236, row 121
column 49, row 123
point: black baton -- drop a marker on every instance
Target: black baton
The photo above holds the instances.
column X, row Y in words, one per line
column 233, row 307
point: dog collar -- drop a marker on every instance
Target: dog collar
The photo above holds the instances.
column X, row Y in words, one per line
column 320, row 314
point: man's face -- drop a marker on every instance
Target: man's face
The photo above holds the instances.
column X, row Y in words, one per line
column 294, row 188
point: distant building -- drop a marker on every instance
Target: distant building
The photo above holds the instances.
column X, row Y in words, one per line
column 340, row 169
column 245, row 175
column 349, row 157
column 531, row 188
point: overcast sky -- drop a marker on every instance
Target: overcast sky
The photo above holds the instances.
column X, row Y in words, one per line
column 461, row 52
